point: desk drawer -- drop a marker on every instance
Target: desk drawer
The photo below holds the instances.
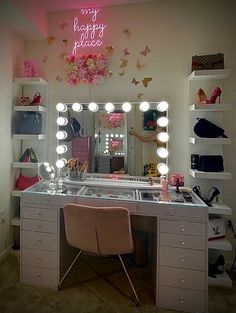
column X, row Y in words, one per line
column 37, row 240
column 40, row 226
column 183, row 258
column 183, row 241
column 54, row 200
column 39, row 214
column 182, row 278
column 182, row 299
column 181, row 227
column 38, row 258
column 39, row 276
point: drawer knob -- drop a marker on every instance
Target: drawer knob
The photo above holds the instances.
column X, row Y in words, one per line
column 39, row 240
column 182, row 260
column 39, row 214
column 181, row 300
column 182, row 242
column 38, row 277
column 181, row 280
column 39, row 260
column 39, row 226
column 182, row 227
column 172, row 210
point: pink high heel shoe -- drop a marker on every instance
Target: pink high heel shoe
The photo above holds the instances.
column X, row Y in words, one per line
column 215, row 94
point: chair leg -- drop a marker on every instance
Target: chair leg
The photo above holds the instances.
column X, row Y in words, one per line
column 70, row 267
column 137, row 302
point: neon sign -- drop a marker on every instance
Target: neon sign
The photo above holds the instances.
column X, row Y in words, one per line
column 90, row 34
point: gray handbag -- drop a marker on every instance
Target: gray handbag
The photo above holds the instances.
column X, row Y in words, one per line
column 29, row 123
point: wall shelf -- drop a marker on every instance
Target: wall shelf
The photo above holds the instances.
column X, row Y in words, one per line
column 210, row 107
column 210, row 175
column 210, row 141
column 220, row 244
column 24, row 165
column 16, row 193
column 30, row 81
column 220, row 209
column 29, row 108
column 220, row 280
column 209, row 74
column 15, row 221
column 29, row 137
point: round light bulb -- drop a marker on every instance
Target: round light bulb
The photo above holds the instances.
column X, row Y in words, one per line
column 61, row 107
column 126, row 107
column 93, row 107
column 162, row 168
column 62, row 121
column 60, row 163
column 61, row 134
column 162, row 153
column 77, row 107
column 61, row 149
column 162, row 121
column 144, row 106
column 163, row 136
column 109, row 107
column 162, row 106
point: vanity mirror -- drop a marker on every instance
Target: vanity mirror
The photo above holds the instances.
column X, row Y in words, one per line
column 121, row 138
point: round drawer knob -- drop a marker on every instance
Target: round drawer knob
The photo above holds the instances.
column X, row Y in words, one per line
column 39, row 240
column 39, row 214
column 182, row 227
column 39, row 260
column 172, row 210
column 39, row 226
column 182, row 242
column 182, row 260
column 38, row 277
column 181, row 280
column 181, row 300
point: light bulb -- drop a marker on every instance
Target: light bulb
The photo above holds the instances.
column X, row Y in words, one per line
column 77, row 107
column 61, row 134
column 162, row 106
column 93, row 107
column 162, row 153
column 144, row 106
column 109, row 107
column 162, row 121
column 163, row 136
column 61, row 149
column 62, row 121
column 60, row 163
column 126, row 107
column 61, row 107
column 162, row 168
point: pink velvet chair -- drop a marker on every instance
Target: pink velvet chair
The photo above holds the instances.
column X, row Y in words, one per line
column 100, row 230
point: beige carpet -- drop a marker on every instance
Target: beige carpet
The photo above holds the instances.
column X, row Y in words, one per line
column 92, row 296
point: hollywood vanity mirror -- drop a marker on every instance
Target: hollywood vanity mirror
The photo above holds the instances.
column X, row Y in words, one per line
column 119, row 138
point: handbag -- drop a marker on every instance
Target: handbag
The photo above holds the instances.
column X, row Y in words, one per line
column 208, row 62
column 68, row 128
column 216, row 228
column 29, row 123
column 24, row 182
column 206, row 129
column 211, row 163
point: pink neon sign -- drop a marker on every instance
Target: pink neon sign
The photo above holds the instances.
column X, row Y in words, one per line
column 89, row 34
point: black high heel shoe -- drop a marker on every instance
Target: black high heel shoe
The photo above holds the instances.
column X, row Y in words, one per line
column 217, row 267
column 215, row 193
column 32, row 156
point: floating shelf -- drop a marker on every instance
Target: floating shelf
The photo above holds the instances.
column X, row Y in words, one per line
column 29, row 108
column 15, row 221
column 220, row 244
column 29, row 137
column 210, row 107
column 210, row 175
column 210, row 141
column 24, row 165
column 16, row 193
column 220, row 280
column 30, row 81
column 220, row 209
column 209, row 74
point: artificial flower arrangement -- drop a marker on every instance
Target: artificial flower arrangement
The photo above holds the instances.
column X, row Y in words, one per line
column 86, row 68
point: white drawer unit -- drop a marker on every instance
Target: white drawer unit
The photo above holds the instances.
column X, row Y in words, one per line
column 38, row 258
column 39, row 241
column 39, row 276
column 183, row 241
column 183, row 227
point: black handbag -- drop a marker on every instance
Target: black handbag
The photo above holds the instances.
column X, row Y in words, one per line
column 206, row 129
column 211, row 163
column 208, row 62
column 29, row 123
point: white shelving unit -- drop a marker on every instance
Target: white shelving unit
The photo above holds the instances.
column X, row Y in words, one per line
column 201, row 146
column 28, row 87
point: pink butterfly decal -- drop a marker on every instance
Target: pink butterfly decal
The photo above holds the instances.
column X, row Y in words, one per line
column 51, row 39
column 59, row 78
column 63, row 25
column 124, row 63
column 126, row 52
column 65, row 41
column 134, row 81
column 45, row 58
column 145, row 51
column 127, row 32
column 139, row 65
column 62, row 55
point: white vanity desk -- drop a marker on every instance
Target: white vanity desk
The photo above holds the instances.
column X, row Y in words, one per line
column 181, row 236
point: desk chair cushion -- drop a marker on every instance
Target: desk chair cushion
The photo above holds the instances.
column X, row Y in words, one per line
column 100, row 230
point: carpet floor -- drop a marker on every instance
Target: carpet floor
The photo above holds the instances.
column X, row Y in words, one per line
column 92, row 295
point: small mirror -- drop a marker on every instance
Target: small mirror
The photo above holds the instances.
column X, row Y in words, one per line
column 46, row 171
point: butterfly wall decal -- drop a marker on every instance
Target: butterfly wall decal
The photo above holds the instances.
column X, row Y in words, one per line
column 126, row 52
column 110, row 50
column 65, row 41
column 62, row 55
column 59, row 78
column 139, row 65
column 121, row 73
column 140, row 95
column 134, row 81
column 45, row 58
column 51, row 39
column 110, row 73
column 145, row 51
column 124, row 63
column 127, row 32
column 63, row 25
column 146, row 81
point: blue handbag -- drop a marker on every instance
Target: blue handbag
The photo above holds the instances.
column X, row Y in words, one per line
column 29, row 123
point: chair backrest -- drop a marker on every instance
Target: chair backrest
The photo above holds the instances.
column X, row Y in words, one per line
column 100, row 230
